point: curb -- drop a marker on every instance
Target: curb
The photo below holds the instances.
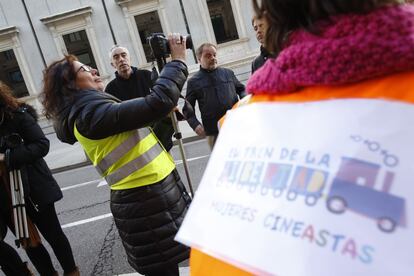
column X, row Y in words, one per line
column 71, row 167
column 88, row 162
column 188, row 139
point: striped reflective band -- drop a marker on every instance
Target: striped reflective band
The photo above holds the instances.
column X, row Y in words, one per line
column 118, row 152
column 134, row 165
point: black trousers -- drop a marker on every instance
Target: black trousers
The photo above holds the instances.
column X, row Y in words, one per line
column 10, row 261
column 48, row 224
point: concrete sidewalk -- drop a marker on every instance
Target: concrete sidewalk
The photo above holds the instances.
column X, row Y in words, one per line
column 63, row 156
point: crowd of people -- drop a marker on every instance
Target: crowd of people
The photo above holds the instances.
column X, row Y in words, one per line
column 309, row 50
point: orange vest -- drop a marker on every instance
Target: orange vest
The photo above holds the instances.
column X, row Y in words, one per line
column 398, row 87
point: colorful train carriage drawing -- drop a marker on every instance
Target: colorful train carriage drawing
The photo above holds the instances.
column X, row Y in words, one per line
column 276, row 178
column 353, row 189
column 243, row 174
column 309, row 183
column 251, row 175
column 306, row 181
column 230, row 171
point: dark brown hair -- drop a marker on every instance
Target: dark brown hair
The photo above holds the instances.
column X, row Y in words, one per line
column 285, row 16
column 58, row 85
column 8, row 103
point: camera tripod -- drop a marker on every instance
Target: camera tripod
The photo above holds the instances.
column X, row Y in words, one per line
column 161, row 61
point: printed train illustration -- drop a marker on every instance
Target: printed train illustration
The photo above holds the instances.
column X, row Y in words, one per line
column 352, row 187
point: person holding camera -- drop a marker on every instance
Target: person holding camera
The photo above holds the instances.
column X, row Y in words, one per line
column 131, row 82
column 40, row 188
column 215, row 89
column 148, row 199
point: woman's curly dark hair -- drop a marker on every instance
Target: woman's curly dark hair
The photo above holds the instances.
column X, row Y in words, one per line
column 8, row 102
column 58, row 85
column 285, row 16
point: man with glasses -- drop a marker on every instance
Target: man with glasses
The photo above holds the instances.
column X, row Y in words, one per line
column 131, row 82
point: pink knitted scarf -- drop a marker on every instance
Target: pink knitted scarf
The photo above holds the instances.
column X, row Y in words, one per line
column 352, row 48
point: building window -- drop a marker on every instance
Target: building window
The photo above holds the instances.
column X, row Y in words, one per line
column 147, row 24
column 222, row 19
column 11, row 75
column 77, row 44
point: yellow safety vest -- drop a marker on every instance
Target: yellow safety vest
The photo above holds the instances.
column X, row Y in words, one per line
column 129, row 159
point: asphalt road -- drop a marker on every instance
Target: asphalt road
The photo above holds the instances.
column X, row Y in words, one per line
column 85, row 216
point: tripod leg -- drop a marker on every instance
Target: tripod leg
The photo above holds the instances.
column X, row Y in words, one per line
column 23, row 206
column 181, row 147
column 14, row 206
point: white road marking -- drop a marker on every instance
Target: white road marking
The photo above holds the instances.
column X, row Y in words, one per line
column 102, row 183
column 191, row 159
column 80, row 185
column 76, row 223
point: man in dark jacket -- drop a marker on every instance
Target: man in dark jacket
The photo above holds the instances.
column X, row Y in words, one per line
column 260, row 26
column 215, row 89
column 131, row 82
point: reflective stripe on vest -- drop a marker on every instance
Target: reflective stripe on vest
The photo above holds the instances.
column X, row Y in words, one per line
column 134, row 165
column 129, row 159
column 121, row 150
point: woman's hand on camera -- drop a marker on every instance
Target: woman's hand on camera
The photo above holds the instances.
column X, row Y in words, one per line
column 177, row 46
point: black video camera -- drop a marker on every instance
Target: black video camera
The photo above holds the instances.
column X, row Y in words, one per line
column 10, row 141
column 160, row 47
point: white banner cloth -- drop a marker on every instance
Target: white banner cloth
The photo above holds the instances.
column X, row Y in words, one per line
column 318, row 188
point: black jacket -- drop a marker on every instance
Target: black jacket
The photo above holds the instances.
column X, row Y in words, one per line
column 40, row 187
column 148, row 218
column 216, row 92
column 261, row 59
column 99, row 115
column 139, row 85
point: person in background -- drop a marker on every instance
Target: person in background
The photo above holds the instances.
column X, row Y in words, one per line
column 315, row 39
column 40, row 188
column 148, row 200
column 131, row 82
column 260, row 27
column 215, row 89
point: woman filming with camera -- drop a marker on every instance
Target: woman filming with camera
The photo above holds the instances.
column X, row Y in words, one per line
column 148, row 199
column 41, row 191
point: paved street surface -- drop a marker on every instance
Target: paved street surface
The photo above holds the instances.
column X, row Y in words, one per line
column 85, row 216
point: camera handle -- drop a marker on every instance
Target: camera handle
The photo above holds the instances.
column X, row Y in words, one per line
column 177, row 134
